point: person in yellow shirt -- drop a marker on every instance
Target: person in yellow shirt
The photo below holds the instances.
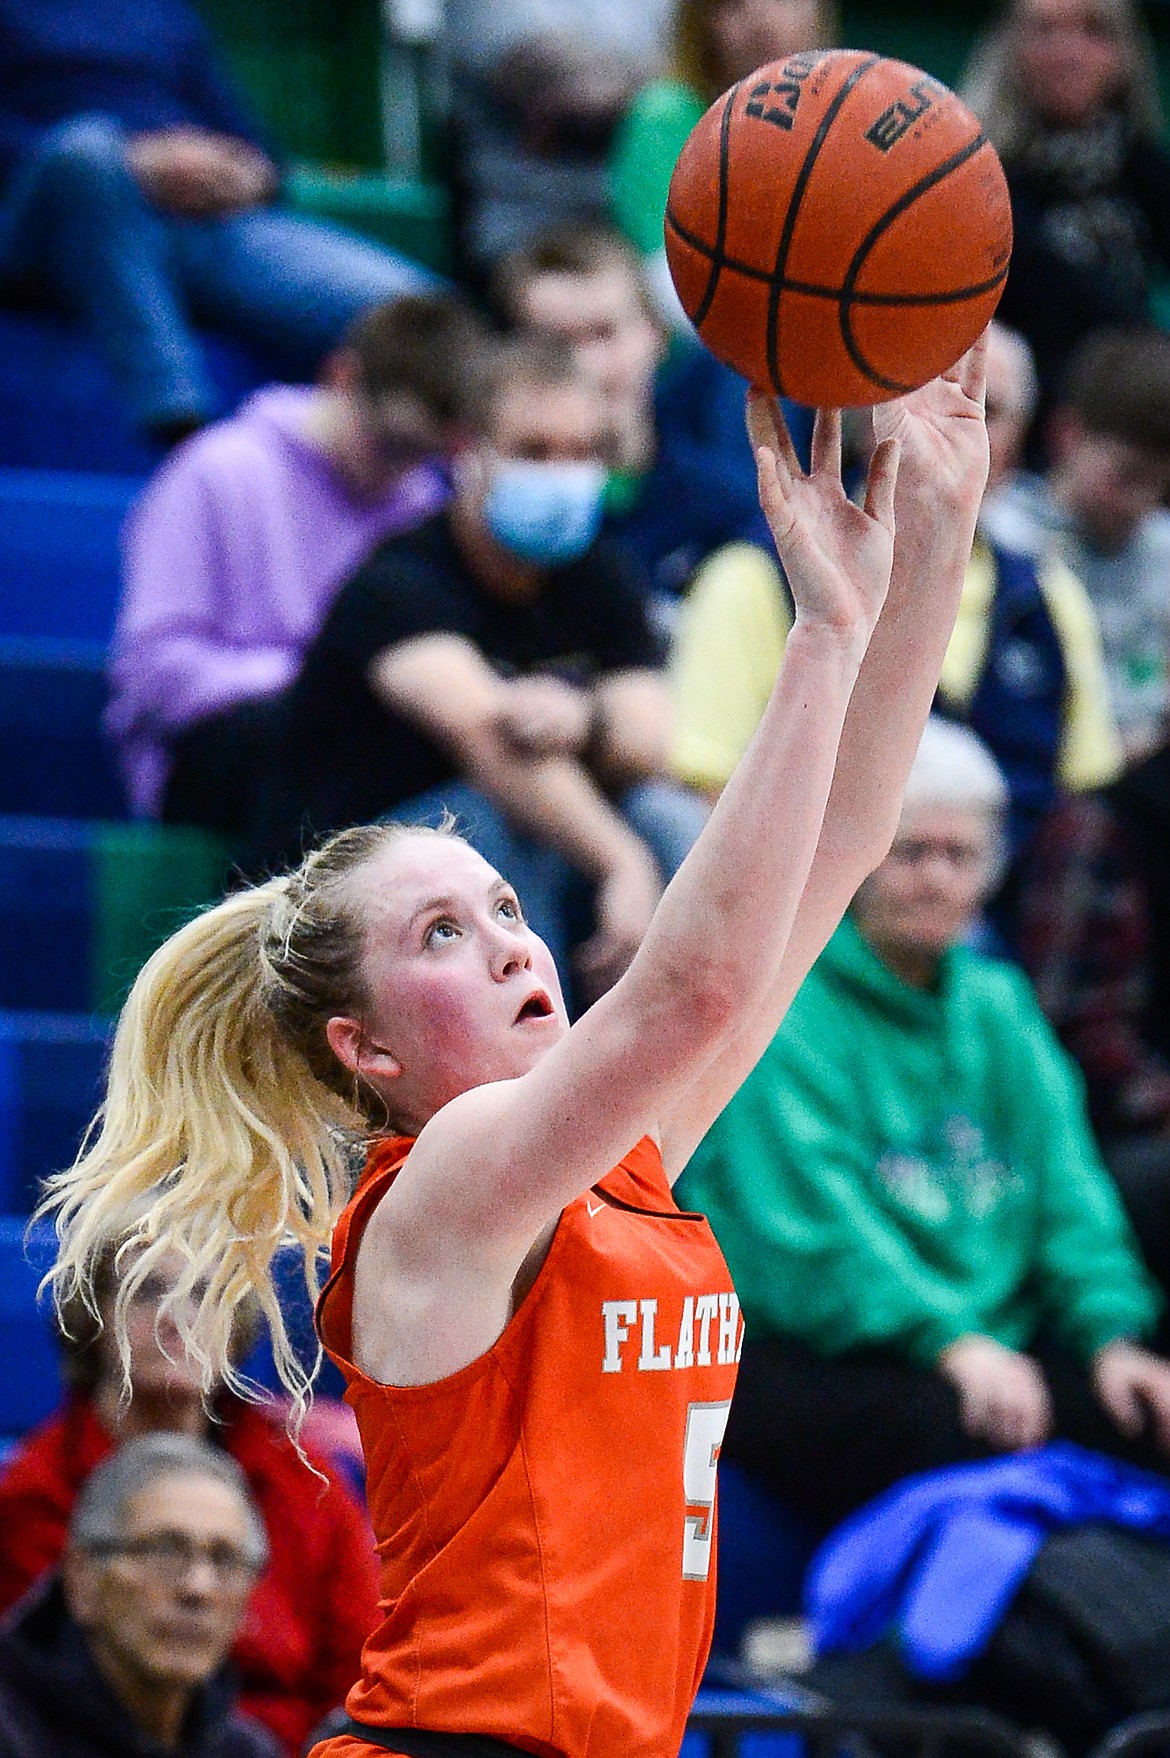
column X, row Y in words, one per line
column 1024, row 665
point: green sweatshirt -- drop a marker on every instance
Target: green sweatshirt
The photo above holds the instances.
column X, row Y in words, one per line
column 649, row 139
column 904, row 1167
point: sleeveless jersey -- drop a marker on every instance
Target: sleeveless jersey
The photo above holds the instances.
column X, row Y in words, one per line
column 545, row 1517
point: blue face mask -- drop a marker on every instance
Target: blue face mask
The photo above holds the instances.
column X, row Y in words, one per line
column 542, row 512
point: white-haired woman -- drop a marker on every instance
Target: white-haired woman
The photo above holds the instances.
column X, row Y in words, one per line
column 540, row 1347
column 932, row 1261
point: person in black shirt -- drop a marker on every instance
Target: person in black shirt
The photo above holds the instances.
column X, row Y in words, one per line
column 499, row 661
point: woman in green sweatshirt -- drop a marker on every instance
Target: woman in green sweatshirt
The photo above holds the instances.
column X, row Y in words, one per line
column 932, row 1261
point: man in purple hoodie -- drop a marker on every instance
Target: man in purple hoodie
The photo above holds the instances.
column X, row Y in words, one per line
column 235, row 552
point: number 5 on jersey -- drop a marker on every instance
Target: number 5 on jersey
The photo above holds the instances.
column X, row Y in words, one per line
column 704, row 1438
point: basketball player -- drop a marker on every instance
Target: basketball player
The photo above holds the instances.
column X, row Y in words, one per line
column 540, row 1348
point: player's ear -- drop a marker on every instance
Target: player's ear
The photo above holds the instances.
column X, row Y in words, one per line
column 355, row 1050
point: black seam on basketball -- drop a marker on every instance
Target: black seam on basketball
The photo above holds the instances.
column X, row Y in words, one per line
column 814, row 290
column 847, row 296
column 776, row 284
column 704, row 304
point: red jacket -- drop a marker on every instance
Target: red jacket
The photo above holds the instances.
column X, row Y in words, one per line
column 298, row 1650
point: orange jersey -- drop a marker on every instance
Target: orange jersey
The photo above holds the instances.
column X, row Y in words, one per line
column 545, row 1517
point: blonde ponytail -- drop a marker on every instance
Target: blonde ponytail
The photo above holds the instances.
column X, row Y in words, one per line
column 228, row 1126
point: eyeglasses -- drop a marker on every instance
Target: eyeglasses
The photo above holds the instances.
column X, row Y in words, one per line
column 170, row 1558
column 911, row 851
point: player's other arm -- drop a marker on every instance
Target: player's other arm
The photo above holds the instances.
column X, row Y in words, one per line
column 941, row 434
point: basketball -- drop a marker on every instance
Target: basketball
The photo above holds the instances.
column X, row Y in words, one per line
column 838, row 227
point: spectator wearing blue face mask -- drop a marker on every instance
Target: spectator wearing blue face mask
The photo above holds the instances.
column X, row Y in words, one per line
column 498, row 661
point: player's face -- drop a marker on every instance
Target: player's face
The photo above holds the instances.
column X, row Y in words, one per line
column 922, row 898
column 1071, row 58
column 744, row 34
column 460, row 990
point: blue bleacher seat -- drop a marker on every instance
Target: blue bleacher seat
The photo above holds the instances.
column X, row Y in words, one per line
column 31, row 1383
column 62, row 410
column 51, row 1072
column 48, row 921
column 59, row 561
column 54, row 757
column 756, row 1744
column 764, row 1551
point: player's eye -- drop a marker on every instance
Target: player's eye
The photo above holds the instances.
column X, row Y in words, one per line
column 442, row 930
column 510, row 909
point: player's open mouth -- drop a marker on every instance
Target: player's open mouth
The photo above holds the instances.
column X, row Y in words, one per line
column 538, row 1006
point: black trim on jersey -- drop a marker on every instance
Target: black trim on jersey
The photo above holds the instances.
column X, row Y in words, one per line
column 616, row 1202
column 421, row 1742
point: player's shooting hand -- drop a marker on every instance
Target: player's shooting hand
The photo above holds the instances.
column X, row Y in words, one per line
column 837, row 555
column 1003, row 1396
column 943, row 436
column 627, row 896
column 1133, row 1385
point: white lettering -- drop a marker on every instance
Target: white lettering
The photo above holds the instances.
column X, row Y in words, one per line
column 617, row 1316
column 651, row 1359
column 728, row 1326
column 706, row 1307
column 739, row 1345
column 684, row 1355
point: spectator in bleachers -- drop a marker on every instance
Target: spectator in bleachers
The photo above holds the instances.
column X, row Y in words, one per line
column 1094, row 936
column 134, row 189
column 1100, row 508
column 1068, row 92
column 683, row 481
column 538, row 87
column 714, row 44
column 1023, row 666
column 123, row 1652
column 499, row 660
column 933, row 1263
column 314, row 1602
column 236, row 549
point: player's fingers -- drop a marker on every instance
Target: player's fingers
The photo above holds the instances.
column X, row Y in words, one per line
column 775, row 483
column 826, row 442
column 767, row 427
column 971, row 371
column 881, row 481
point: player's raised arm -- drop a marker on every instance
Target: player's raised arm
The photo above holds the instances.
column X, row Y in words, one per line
column 941, row 434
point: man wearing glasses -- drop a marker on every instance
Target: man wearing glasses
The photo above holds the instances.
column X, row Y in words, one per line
column 123, row 1650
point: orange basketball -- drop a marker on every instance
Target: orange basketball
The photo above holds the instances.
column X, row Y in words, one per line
column 838, row 227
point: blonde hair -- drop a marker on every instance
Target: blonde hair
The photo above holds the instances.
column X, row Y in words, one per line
column 994, row 88
column 228, row 1125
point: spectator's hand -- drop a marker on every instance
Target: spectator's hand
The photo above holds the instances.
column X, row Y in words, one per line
column 627, row 897
column 545, row 716
column 1132, row 1384
column 194, row 172
column 1003, row 1397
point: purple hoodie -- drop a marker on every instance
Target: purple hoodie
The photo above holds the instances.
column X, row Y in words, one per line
column 232, row 556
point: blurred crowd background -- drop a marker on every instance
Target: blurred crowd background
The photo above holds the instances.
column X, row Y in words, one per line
column 356, row 460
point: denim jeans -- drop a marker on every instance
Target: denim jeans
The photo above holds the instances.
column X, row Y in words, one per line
column 74, row 221
column 554, row 895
